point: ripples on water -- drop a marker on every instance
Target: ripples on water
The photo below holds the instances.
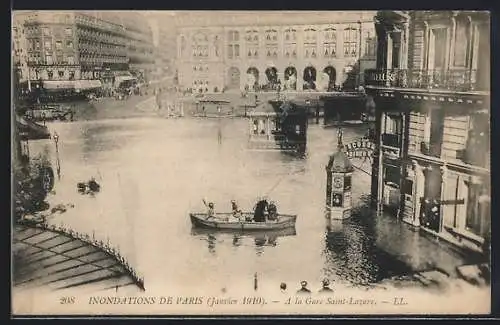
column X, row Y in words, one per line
column 156, row 171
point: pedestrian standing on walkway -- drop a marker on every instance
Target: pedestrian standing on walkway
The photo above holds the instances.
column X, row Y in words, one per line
column 326, row 287
column 303, row 288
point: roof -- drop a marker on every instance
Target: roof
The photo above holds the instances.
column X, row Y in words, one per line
column 265, row 107
column 340, row 163
column 55, row 259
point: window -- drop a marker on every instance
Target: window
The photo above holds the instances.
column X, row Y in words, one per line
column 58, row 45
column 391, row 175
column 478, row 210
column 48, row 45
column 330, row 42
column 216, row 45
column 233, row 51
column 478, row 140
column 37, row 45
column 461, row 44
column 48, row 59
column 393, row 124
column 350, row 42
column 50, row 74
column 233, row 36
column 347, row 183
column 61, row 74
column 310, row 35
column 68, row 31
column 437, row 48
column 271, row 36
column 290, row 35
column 45, row 31
column 370, row 44
column 69, row 44
column 70, row 59
column 408, row 187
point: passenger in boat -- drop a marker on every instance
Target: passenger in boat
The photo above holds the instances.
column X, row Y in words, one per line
column 273, row 211
column 211, row 210
column 236, row 210
column 260, row 211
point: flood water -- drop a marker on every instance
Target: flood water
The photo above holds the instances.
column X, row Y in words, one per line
column 153, row 172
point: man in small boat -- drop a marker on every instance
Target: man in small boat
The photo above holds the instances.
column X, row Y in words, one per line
column 260, row 211
column 236, row 210
column 211, row 210
column 273, row 211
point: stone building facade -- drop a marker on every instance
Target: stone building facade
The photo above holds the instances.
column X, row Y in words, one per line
column 65, row 47
column 238, row 51
column 432, row 95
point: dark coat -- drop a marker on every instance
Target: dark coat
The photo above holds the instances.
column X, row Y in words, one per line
column 259, row 211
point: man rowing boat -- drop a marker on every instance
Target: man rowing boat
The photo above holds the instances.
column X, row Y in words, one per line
column 211, row 209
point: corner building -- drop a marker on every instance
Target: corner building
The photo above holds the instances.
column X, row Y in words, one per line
column 431, row 89
column 260, row 50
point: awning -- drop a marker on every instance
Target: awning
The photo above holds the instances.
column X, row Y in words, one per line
column 29, row 130
column 87, row 84
column 59, row 84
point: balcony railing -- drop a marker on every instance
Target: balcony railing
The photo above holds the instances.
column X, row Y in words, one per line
column 391, row 140
column 456, row 79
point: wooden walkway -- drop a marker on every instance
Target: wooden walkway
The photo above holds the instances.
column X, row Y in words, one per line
column 56, row 260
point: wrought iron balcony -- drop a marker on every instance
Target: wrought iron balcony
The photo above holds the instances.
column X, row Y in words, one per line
column 391, row 140
column 455, row 79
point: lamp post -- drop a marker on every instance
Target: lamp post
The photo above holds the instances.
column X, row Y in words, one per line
column 56, row 140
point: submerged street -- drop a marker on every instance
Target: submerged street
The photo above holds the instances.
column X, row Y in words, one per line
column 154, row 171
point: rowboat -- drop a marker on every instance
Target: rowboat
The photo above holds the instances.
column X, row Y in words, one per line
column 284, row 232
column 226, row 221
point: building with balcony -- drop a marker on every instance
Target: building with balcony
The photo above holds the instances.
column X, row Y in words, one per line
column 167, row 47
column 69, row 50
column 432, row 95
column 139, row 43
column 261, row 50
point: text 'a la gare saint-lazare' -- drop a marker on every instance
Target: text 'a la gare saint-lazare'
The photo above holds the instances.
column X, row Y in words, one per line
column 300, row 158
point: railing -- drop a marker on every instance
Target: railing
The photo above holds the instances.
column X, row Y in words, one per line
column 390, row 140
column 456, row 79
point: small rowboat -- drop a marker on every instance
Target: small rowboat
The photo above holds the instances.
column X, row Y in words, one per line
column 226, row 221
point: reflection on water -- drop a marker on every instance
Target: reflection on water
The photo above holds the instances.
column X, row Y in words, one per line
column 351, row 246
column 259, row 240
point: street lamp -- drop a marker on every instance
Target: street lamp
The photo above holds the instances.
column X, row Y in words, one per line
column 56, row 140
